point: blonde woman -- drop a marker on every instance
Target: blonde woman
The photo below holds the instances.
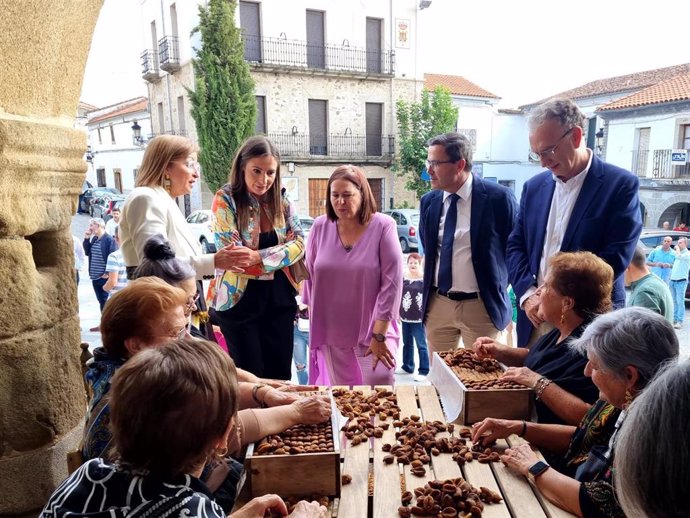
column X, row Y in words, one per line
column 169, row 169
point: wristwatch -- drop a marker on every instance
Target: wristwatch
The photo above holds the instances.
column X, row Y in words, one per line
column 537, row 469
column 379, row 337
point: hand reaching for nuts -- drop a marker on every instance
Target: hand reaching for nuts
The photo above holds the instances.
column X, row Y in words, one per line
column 312, row 409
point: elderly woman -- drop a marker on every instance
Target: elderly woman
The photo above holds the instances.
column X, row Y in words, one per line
column 160, row 457
column 354, row 288
column 149, row 312
column 169, row 169
column 625, row 350
column 576, row 289
column 255, row 303
column 653, row 456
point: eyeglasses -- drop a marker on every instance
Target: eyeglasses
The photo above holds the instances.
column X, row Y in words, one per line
column 435, row 163
column 549, row 152
column 193, row 165
column 189, row 306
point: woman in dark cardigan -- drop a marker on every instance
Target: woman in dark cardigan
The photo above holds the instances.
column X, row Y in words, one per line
column 576, row 290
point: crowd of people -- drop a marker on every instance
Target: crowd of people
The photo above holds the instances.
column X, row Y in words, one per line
column 599, row 371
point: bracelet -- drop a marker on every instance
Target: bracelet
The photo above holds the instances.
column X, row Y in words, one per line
column 540, row 386
column 255, row 390
column 524, row 429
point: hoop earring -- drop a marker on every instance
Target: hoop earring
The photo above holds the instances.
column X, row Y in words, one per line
column 221, row 452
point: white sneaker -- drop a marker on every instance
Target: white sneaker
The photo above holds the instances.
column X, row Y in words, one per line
column 402, row 371
column 678, row 325
column 419, row 377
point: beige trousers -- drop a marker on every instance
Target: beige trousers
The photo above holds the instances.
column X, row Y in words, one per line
column 449, row 321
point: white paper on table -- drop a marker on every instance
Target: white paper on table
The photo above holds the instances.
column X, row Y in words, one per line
column 448, row 386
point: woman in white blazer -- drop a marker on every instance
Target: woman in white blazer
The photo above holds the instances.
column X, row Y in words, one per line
column 169, row 169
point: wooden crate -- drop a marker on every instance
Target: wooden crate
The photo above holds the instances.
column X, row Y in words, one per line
column 301, row 474
column 467, row 406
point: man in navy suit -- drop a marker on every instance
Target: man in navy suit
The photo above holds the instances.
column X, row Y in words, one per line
column 464, row 227
column 580, row 204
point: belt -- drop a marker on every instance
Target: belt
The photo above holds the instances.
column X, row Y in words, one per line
column 458, row 295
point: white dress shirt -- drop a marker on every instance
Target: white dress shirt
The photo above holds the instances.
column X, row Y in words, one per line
column 562, row 203
column 464, row 278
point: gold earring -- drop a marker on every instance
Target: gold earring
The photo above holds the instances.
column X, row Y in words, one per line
column 563, row 318
column 166, row 183
column 221, row 452
column 628, row 398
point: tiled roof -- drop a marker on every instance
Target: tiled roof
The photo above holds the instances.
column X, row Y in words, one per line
column 629, row 82
column 457, row 86
column 674, row 89
column 131, row 106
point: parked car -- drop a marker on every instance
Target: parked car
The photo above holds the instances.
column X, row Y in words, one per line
column 93, row 193
column 103, row 207
column 200, row 224
column 408, row 228
column 82, row 205
column 652, row 237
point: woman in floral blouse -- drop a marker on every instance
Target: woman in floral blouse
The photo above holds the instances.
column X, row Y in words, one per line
column 255, row 301
column 625, row 350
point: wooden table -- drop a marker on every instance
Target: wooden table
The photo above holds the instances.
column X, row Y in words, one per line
column 376, row 488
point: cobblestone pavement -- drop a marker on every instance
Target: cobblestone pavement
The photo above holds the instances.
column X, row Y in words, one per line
column 89, row 312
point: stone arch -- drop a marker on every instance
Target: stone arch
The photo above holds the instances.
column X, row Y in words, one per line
column 643, row 214
column 675, row 213
column 43, row 49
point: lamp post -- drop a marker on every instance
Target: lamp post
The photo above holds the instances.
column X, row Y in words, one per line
column 136, row 135
column 599, row 136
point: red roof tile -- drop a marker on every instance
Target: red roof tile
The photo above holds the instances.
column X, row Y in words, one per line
column 457, row 86
column 628, row 82
column 674, row 89
column 135, row 105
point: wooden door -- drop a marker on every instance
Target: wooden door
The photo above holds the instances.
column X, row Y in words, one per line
column 117, row 175
column 316, row 39
column 317, row 196
column 376, row 185
column 374, row 31
column 250, row 23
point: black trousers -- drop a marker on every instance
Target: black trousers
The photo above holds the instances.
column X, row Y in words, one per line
column 259, row 329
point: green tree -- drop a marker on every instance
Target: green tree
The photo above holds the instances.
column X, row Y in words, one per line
column 417, row 123
column 223, row 102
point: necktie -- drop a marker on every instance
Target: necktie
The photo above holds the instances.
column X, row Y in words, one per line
column 445, row 269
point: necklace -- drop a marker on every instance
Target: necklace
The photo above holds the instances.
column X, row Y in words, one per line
column 347, row 248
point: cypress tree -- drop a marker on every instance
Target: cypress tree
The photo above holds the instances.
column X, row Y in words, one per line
column 223, row 102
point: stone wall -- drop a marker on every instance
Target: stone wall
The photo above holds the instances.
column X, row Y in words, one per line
column 43, row 49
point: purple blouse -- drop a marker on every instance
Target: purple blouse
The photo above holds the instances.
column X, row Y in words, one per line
column 348, row 291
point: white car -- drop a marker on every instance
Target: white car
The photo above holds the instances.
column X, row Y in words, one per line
column 306, row 222
column 200, row 224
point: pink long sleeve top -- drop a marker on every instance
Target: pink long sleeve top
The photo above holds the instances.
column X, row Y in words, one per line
column 348, row 291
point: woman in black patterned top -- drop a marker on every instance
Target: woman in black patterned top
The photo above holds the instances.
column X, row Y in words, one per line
column 411, row 316
column 172, row 408
column 625, row 350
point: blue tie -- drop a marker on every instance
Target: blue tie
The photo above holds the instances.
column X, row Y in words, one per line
column 445, row 268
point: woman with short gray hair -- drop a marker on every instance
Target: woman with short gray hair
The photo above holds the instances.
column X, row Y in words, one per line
column 625, row 349
column 653, row 461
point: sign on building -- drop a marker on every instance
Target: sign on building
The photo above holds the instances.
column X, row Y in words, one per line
column 679, row 156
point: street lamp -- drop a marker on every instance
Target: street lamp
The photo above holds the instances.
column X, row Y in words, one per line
column 423, row 4
column 136, row 133
column 599, row 135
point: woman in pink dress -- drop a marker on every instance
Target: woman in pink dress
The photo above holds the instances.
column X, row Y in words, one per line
column 355, row 286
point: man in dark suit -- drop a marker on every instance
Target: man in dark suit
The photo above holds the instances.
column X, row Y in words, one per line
column 464, row 227
column 580, row 204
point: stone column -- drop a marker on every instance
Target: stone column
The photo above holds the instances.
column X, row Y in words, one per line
column 43, row 49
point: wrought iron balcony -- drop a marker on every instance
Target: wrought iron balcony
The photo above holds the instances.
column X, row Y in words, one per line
column 300, row 55
column 149, row 66
column 334, row 148
column 169, row 54
column 662, row 167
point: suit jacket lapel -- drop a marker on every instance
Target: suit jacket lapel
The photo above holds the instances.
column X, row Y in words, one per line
column 432, row 227
column 541, row 209
column 595, row 177
column 479, row 198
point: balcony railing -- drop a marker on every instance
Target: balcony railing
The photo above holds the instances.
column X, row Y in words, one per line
column 639, row 162
column 334, row 147
column 662, row 167
column 169, row 53
column 149, row 66
column 297, row 54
